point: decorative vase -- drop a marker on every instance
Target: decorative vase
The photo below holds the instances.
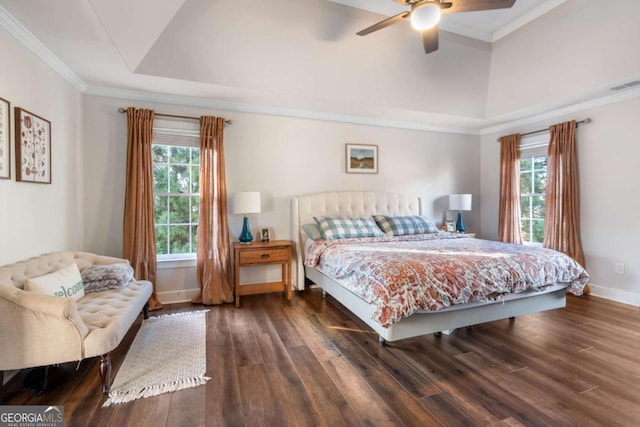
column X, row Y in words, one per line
column 459, row 224
column 245, row 235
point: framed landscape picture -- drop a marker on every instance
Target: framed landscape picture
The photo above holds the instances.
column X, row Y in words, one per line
column 33, row 147
column 5, row 136
column 362, row 158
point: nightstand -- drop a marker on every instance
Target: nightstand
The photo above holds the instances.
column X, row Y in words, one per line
column 262, row 253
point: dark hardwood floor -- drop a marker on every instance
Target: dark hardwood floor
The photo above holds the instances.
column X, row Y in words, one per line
column 310, row 362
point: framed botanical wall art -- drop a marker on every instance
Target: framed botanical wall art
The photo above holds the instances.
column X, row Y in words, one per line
column 362, row 158
column 5, row 136
column 33, row 147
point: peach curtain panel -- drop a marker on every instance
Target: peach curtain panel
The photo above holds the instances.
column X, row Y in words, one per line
column 562, row 199
column 214, row 255
column 509, row 209
column 139, row 237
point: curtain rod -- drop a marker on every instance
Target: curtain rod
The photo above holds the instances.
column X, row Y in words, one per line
column 533, row 132
column 229, row 122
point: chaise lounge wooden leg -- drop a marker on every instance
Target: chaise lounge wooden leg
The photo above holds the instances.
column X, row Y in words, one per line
column 145, row 310
column 105, row 372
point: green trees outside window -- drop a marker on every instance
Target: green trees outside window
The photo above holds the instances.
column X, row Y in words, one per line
column 533, row 180
column 176, row 187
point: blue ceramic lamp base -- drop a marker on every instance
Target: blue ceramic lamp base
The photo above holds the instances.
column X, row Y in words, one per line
column 459, row 224
column 245, row 235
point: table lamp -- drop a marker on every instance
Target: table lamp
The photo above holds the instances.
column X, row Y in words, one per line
column 460, row 202
column 246, row 202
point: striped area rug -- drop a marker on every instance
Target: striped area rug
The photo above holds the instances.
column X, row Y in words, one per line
column 168, row 354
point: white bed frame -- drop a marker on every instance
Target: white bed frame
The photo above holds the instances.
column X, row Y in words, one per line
column 366, row 203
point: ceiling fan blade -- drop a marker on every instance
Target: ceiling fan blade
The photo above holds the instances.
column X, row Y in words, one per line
column 430, row 39
column 477, row 5
column 382, row 24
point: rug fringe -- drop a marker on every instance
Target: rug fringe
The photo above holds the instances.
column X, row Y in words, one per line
column 184, row 313
column 135, row 384
column 154, row 390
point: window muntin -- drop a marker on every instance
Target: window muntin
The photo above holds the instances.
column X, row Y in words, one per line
column 176, row 186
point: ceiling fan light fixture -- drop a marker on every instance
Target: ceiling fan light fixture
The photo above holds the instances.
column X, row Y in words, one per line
column 425, row 16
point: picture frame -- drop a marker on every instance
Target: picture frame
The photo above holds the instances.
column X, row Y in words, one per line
column 361, row 158
column 450, row 226
column 5, row 139
column 265, row 235
column 33, row 147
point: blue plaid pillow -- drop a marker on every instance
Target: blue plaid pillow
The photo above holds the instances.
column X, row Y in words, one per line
column 333, row 228
column 405, row 225
column 312, row 231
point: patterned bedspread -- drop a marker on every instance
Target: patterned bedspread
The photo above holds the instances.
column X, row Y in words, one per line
column 406, row 274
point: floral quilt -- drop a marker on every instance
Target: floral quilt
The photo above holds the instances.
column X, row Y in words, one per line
column 406, row 274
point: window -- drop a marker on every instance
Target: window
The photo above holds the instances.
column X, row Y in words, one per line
column 176, row 173
column 533, row 181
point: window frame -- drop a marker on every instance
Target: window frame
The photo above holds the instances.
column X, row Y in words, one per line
column 532, row 147
column 186, row 138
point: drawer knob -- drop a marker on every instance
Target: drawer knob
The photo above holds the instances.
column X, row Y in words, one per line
column 264, row 256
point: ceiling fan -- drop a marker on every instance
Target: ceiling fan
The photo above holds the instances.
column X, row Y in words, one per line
column 425, row 15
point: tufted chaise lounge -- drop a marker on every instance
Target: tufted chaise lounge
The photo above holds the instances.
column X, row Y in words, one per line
column 41, row 330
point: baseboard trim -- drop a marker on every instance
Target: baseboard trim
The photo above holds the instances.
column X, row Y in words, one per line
column 617, row 295
column 174, row 297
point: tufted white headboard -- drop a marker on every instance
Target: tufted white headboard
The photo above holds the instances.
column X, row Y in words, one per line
column 343, row 203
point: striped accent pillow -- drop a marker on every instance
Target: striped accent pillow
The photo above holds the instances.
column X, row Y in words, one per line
column 333, row 228
column 405, row 225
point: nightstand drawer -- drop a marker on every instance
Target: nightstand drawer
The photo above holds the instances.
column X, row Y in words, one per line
column 264, row 256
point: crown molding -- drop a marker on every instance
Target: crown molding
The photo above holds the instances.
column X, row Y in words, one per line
column 570, row 109
column 525, row 19
column 142, row 96
column 17, row 30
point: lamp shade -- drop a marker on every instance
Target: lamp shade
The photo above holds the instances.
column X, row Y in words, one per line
column 246, row 202
column 459, row 202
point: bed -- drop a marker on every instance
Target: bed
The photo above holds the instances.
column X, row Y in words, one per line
column 447, row 316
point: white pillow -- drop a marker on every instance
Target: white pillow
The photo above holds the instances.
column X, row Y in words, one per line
column 65, row 283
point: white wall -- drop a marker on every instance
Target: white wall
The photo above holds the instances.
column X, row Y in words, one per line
column 283, row 157
column 608, row 152
column 37, row 218
column 308, row 50
column 280, row 157
column 581, row 47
